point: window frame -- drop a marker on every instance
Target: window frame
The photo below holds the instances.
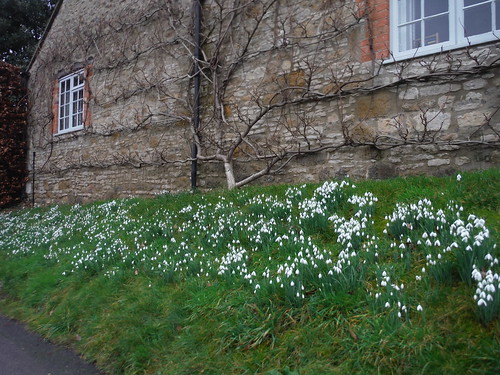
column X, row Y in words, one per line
column 457, row 38
column 73, row 89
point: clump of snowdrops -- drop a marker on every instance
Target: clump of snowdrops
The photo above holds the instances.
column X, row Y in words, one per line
column 275, row 246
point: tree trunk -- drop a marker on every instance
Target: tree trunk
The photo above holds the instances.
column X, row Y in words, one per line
column 229, row 170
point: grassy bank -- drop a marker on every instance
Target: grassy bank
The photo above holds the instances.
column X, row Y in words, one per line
column 393, row 277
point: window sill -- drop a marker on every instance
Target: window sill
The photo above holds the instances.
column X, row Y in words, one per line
column 445, row 47
column 69, row 131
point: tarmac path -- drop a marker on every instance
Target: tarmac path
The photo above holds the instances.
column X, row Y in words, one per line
column 25, row 353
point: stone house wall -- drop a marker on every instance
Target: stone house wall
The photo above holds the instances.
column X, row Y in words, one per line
column 136, row 139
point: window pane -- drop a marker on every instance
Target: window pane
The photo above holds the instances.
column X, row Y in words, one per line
column 437, row 30
column 66, row 123
column 61, row 124
column 432, row 7
column 409, row 10
column 477, row 19
column 409, row 36
column 80, row 119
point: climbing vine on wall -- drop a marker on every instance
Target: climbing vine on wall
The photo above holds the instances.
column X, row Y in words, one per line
column 278, row 81
column 12, row 135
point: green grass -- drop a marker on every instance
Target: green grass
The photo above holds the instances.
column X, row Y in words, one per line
column 147, row 286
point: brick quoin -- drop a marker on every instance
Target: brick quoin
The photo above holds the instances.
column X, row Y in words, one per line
column 87, row 96
column 55, row 107
column 376, row 43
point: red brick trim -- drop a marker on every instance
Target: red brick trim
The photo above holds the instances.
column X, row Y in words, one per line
column 87, row 96
column 55, row 107
column 376, row 43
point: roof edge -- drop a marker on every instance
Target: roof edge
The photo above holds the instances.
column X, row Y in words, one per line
column 44, row 35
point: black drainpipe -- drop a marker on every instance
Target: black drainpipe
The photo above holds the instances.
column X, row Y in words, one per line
column 33, row 182
column 197, row 82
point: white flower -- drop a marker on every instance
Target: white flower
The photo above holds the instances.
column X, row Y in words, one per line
column 419, row 308
column 387, row 305
column 459, row 177
column 481, row 302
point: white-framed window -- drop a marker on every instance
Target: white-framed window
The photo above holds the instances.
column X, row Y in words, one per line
column 420, row 27
column 71, row 97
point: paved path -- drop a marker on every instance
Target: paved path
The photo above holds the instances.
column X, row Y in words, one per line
column 25, row 353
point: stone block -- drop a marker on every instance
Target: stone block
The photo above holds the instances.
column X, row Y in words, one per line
column 382, row 170
column 475, row 84
column 437, row 120
column 386, row 126
column 409, row 93
column 474, row 97
column 375, row 105
column 445, row 101
column 434, row 89
column 462, row 160
column 470, row 119
column 362, row 133
column 438, row 162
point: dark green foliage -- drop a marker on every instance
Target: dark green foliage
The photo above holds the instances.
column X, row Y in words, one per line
column 22, row 23
column 12, row 134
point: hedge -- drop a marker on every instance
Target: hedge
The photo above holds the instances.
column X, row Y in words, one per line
column 13, row 122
